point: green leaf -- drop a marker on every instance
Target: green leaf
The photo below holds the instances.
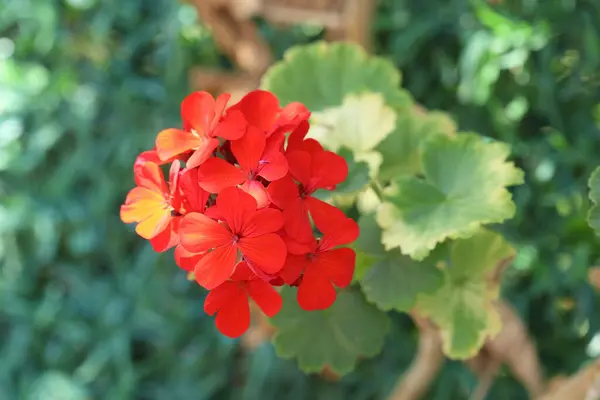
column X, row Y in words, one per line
column 359, row 124
column 594, row 212
column 464, row 187
column 401, row 150
column 333, row 338
column 395, row 282
column 320, row 75
column 463, row 307
column 391, row 281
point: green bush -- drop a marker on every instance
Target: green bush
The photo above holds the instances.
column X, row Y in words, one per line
column 88, row 310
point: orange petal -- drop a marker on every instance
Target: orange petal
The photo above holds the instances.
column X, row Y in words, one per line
column 154, row 224
column 199, row 233
column 202, row 154
column 216, row 266
column 173, row 142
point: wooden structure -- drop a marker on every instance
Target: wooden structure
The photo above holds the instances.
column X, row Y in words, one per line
column 236, row 34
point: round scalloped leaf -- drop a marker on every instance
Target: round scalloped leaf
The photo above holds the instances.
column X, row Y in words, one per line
column 391, row 280
column 394, row 282
column 594, row 213
column 320, row 75
column 464, row 187
column 401, row 150
column 463, row 308
column 333, row 338
column 359, row 124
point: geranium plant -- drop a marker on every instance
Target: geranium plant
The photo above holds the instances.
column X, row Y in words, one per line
column 329, row 199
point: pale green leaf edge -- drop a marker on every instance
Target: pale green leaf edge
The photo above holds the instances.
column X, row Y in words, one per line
column 331, row 48
column 517, row 178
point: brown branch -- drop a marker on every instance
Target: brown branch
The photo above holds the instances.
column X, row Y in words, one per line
column 513, row 347
column 581, row 386
column 425, row 366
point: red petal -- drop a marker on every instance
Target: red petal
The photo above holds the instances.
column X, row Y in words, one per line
column 293, row 268
column 273, row 167
column 242, row 272
column 274, row 144
column 296, row 247
column 315, row 292
column 260, row 222
column 217, row 174
column 203, row 153
column 330, row 168
column 199, row 233
column 299, row 163
column 249, row 149
column 283, row 191
column 325, row 216
column 198, row 111
column 260, row 108
column 167, row 239
column 340, row 233
column 195, row 196
column 291, row 116
column 235, row 206
column 185, row 259
column 267, row 252
column 231, row 127
column 216, row 266
column 220, row 106
column 256, row 190
column 147, row 156
column 174, row 176
column 297, row 136
column 233, row 319
column 150, row 176
column 338, row 265
column 173, row 142
column 221, row 296
column 267, row 298
column 311, row 146
column 213, row 212
column 297, row 222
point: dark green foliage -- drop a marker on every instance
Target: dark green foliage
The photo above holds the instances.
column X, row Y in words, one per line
column 88, row 309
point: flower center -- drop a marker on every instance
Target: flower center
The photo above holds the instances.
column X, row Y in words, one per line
column 236, row 238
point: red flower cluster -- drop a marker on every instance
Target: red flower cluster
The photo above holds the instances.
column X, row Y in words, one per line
column 238, row 206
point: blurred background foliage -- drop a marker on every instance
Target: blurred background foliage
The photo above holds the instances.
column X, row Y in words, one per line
column 88, row 310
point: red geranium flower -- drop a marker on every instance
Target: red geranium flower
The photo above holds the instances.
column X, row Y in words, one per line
column 230, row 301
column 324, row 265
column 152, row 202
column 257, row 156
column 244, row 230
column 315, row 170
column 261, row 109
column 204, row 120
